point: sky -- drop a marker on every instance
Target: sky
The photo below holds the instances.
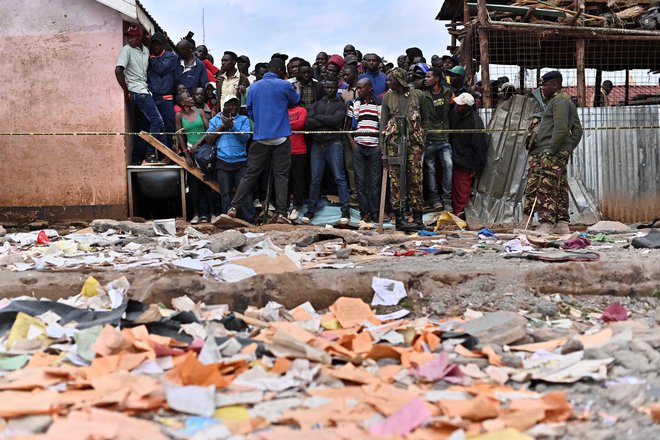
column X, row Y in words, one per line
column 259, row 28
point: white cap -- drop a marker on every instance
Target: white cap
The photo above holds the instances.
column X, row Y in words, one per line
column 464, row 99
column 227, row 98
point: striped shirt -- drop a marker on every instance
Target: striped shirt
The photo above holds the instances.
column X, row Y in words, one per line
column 365, row 116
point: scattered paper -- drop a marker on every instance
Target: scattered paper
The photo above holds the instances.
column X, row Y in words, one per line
column 387, row 292
column 191, row 399
column 165, row 227
column 403, row 421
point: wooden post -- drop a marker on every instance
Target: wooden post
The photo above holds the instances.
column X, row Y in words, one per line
column 521, row 81
column 158, row 145
column 627, row 98
column 597, row 91
column 579, row 8
column 581, row 79
column 484, row 52
column 467, row 42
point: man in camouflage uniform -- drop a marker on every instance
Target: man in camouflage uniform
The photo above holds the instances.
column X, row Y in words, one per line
column 408, row 103
column 551, row 143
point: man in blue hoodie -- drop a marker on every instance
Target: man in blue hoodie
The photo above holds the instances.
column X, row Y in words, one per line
column 268, row 106
column 160, row 78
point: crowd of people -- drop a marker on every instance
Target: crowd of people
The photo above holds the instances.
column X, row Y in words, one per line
column 250, row 122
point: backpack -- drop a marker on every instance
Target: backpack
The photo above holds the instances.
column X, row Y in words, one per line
column 205, row 157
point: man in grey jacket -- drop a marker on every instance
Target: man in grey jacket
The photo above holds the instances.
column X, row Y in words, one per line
column 557, row 135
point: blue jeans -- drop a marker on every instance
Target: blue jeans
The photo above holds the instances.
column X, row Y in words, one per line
column 145, row 103
column 368, row 168
column 333, row 155
column 229, row 181
column 166, row 109
column 438, row 152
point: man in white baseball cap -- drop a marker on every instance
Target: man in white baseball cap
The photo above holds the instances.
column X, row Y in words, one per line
column 468, row 150
column 464, row 99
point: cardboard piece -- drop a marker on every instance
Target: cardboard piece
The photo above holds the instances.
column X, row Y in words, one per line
column 97, row 423
column 351, row 311
column 24, row 403
column 268, row 264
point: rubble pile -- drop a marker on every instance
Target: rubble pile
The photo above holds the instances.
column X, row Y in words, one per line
column 101, row 362
column 232, row 255
column 98, row 363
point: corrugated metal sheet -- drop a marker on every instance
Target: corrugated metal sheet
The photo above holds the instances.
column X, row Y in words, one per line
column 613, row 172
column 620, row 167
column 501, row 187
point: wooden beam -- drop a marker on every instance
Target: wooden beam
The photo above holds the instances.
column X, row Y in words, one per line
column 520, row 10
column 484, row 52
column 581, row 78
column 575, row 32
column 158, row 145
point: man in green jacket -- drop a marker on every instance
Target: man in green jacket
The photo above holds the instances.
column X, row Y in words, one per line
column 438, row 150
column 557, row 135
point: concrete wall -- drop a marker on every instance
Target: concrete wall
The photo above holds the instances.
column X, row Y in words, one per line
column 58, row 76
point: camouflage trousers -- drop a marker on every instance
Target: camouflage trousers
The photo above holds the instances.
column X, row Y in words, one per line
column 548, row 184
column 415, row 170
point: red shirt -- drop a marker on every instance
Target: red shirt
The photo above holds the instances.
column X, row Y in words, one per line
column 297, row 118
column 211, row 70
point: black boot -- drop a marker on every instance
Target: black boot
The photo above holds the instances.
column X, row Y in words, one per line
column 401, row 221
column 417, row 223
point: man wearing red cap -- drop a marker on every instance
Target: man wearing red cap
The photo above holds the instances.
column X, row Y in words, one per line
column 131, row 74
column 333, row 68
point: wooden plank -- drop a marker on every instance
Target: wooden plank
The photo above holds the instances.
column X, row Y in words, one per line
column 521, row 10
column 223, row 221
column 158, row 145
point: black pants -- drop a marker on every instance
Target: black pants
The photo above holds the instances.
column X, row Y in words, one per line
column 298, row 178
column 260, row 157
column 368, row 172
column 203, row 199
